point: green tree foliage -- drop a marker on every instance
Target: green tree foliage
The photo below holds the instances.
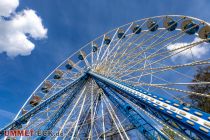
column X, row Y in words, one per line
column 202, row 75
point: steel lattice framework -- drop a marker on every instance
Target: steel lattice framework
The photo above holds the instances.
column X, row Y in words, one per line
column 130, row 83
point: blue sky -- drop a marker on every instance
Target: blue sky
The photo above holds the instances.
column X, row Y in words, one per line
column 71, row 24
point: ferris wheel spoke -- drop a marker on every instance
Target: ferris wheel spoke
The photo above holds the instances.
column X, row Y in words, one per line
column 108, row 47
column 135, row 55
column 81, row 125
column 169, row 67
column 175, row 89
column 134, row 49
column 103, row 120
column 152, row 73
column 179, row 35
column 114, row 118
column 179, row 50
column 93, row 115
column 171, row 84
column 36, row 123
column 167, row 83
column 176, row 51
column 70, row 114
column 143, row 42
column 77, row 121
column 121, row 46
column 49, row 109
column 100, row 48
column 117, row 45
column 151, row 47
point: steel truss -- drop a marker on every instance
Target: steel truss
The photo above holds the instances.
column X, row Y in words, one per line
column 158, row 107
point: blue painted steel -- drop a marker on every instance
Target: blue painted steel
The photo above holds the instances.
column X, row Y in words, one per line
column 84, row 120
column 133, row 115
column 165, row 118
column 17, row 123
column 195, row 128
column 57, row 115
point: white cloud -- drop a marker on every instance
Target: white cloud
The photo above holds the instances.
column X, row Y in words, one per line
column 197, row 51
column 17, row 29
column 8, row 6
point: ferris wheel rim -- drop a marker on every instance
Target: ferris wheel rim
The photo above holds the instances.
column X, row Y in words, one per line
column 103, row 35
column 161, row 16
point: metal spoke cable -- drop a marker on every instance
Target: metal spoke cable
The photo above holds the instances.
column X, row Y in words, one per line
column 179, row 35
column 111, row 114
column 183, row 48
column 75, row 128
column 112, row 110
column 69, row 115
column 121, row 46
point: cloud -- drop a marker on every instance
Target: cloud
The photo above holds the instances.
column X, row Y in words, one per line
column 17, row 28
column 7, row 7
column 197, row 51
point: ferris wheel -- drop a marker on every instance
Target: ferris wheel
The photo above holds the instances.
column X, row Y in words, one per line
column 130, row 83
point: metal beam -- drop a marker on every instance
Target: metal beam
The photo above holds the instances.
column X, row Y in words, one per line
column 57, row 115
column 115, row 132
column 133, row 115
column 191, row 118
column 18, row 121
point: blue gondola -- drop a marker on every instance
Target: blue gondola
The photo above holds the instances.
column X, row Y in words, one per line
column 81, row 55
column 189, row 27
column 107, row 40
column 136, row 29
column 170, row 24
column 69, row 65
column 152, row 25
column 94, row 47
column 121, row 34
